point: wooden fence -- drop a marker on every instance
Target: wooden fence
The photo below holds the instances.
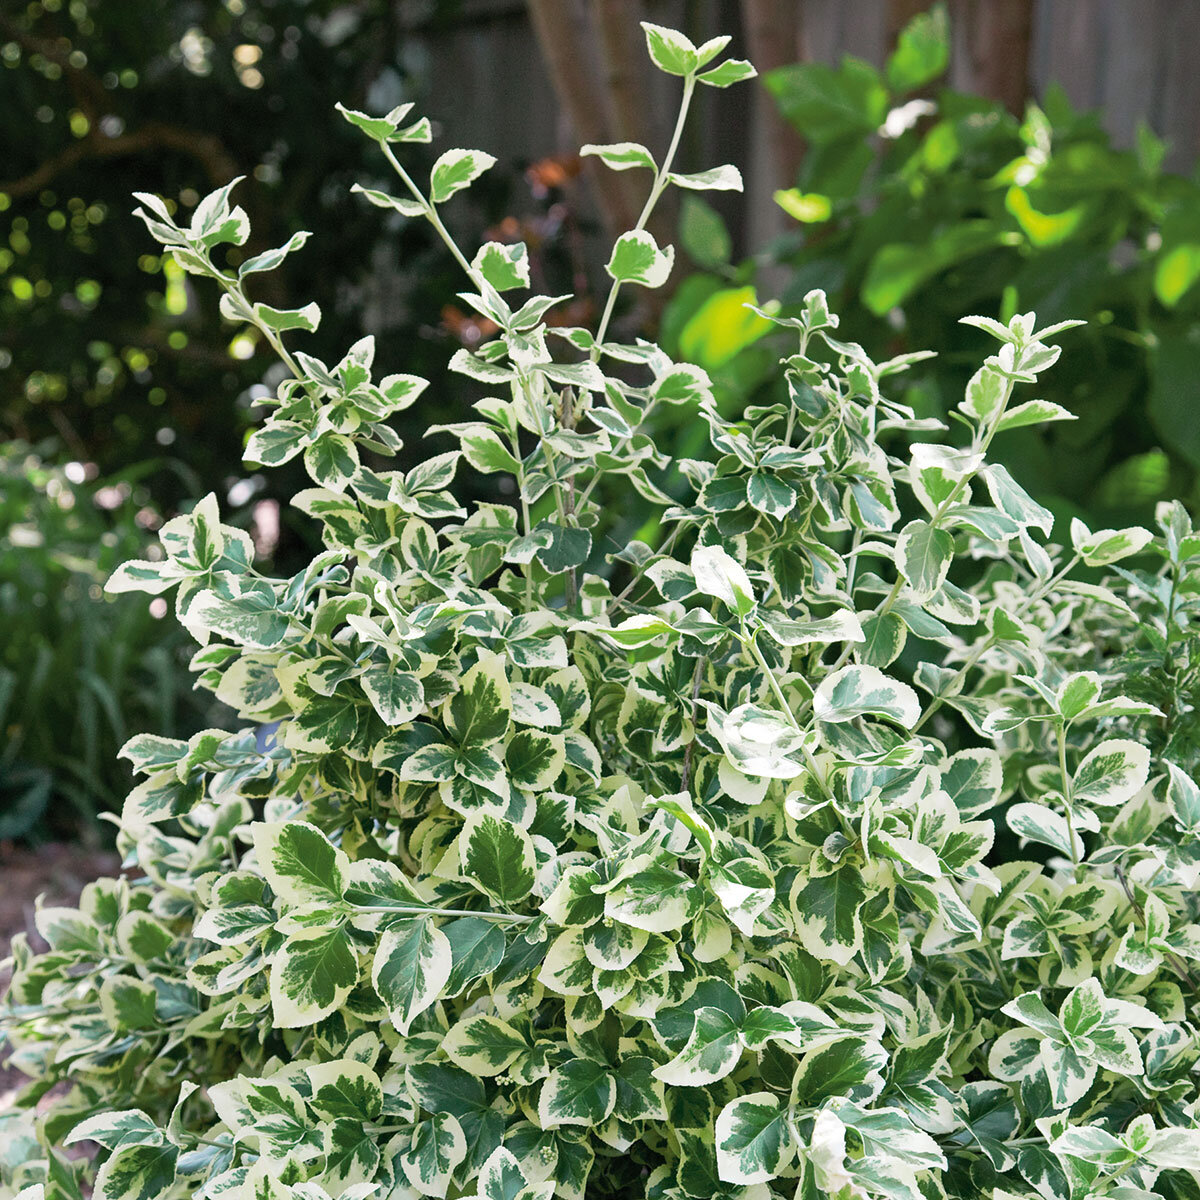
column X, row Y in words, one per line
column 1134, row 59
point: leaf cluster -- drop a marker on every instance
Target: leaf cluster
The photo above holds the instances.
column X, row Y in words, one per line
column 539, row 870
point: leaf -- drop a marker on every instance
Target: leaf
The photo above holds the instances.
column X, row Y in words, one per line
column 884, row 638
column 396, row 696
column 640, row 1096
column 826, row 911
column 754, row 1140
column 922, row 51
column 1112, row 773
column 719, row 575
column 275, row 443
column 250, row 619
column 711, row 1053
column 332, row 461
column 1070, row 1075
column 731, row 71
column 405, row 207
column 270, row 259
column 534, row 760
column 580, row 1092
column 345, row 1088
column 498, row 856
column 669, row 50
column 484, row 450
column 311, row 976
column 703, row 235
column 1076, row 693
column 455, row 170
column 808, row 208
column 477, row 948
column 379, row 128
column 1040, row 824
column 865, row 691
column 725, row 178
column 1175, row 272
column 128, row 1004
column 656, row 899
column 411, row 967
column 758, row 741
column 620, row 156
column 973, row 780
column 478, row 713
column 114, row 1129
column 1008, row 496
column 1107, row 546
column 1184, row 797
column 849, row 1067
column 484, row 1045
column 501, row 1177
column 683, row 384
column 636, row 258
column 725, row 324
column 283, row 319
column 137, row 1173
column 300, row 863
column 504, row 267
column 898, row 270
column 770, row 495
column 826, row 104
column 438, row 1146
column 924, row 553
column 1033, row 412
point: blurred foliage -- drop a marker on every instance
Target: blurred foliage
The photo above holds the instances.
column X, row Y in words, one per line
column 111, row 350
column 913, row 209
column 79, row 672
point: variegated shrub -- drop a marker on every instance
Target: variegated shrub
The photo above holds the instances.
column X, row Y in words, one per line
column 844, row 842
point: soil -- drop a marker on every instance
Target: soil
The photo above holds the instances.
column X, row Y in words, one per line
column 57, row 871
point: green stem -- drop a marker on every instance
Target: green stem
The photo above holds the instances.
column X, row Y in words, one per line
column 665, row 549
column 660, row 185
column 431, row 214
column 791, row 419
column 413, row 910
column 751, row 644
column 233, row 288
column 1066, row 791
column 980, row 447
column 1026, row 604
column 997, row 966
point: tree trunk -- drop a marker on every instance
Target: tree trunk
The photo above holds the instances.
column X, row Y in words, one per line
column 999, row 34
column 567, row 44
column 774, row 38
column 623, row 50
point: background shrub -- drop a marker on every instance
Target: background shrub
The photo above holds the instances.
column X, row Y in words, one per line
column 78, row 671
column 958, row 206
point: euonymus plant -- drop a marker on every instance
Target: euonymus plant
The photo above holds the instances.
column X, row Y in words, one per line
column 547, row 867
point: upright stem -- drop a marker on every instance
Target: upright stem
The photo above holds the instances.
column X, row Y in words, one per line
column 234, row 289
column 1066, row 791
column 431, row 213
column 661, row 181
column 751, row 644
column 980, row 446
column 791, row 418
column 1027, row 602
